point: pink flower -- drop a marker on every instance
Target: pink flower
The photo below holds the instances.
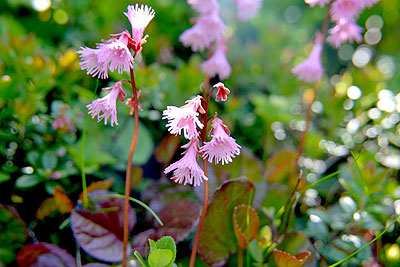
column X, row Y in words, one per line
column 313, row 3
column 139, row 19
column 208, row 28
column 112, row 54
column 217, row 63
column 344, row 30
column 222, row 147
column 247, row 9
column 311, row 70
column 184, row 118
column 222, row 93
column 203, row 6
column 91, row 64
column 346, row 9
column 370, row 3
column 107, row 104
column 187, row 170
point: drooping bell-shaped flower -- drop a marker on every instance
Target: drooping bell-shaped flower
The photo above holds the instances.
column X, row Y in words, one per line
column 222, row 147
column 311, row 70
column 346, row 9
column 139, row 17
column 208, row 28
column 203, row 6
column 185, row 118
column 247, row 9
column 313, row 3
column 344, row 30
column 222, row 93
column 218, row 64
column 109, row 55
column 107, row 104
column 187, row 170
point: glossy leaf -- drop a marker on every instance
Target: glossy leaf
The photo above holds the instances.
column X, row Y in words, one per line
column 160, row 257
column 297, row 242
column 100, row 233
column 245, row 224
column 167, row 148
column 283, row 259
column 46, row 208
column 27, row 181
column 43, row 255
column 280, row 166
column 217, row 238
column 63, row 202
column 167, row 242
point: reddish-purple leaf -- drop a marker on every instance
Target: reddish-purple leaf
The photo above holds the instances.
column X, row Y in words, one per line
column 100, row 232
column 44, row 255
column 217, row 238
column 179, row 218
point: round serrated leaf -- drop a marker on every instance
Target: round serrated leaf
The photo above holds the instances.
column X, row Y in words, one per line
column 160, row 257
column 245, row 223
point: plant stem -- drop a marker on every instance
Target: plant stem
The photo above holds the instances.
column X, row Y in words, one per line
column 205, row 202
column 240, row 257
column 82, row 157
column 129, row 169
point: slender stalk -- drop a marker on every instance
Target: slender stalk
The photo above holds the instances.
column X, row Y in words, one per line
column 240, row 257
column 205, row 202
column 129, row 169
column 82, row 157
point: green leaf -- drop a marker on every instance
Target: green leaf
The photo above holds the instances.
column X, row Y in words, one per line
column 49, row 160
column 153, row 245
column 160, row 257
column 27, row 181
column 140, row 259
column 4, row 177
column 167, row 242
column 245, row 223
column 33, row 158
column 217, row 238
column 13, row 233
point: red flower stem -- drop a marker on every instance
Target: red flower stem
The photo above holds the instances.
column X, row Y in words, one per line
column 205, row 202
column 129, row 169
column 240, row 257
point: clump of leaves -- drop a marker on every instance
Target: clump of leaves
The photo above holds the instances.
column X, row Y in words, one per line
column 162, row 253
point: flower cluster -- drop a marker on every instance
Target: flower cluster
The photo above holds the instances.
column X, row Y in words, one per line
column 209, row 29
column 344, row 14
column 115, row 54
column 222, row 147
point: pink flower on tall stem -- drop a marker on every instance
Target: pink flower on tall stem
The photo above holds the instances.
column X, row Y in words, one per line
column 311, row 70
column 344, row 30
column 218, row 63
column 222, row 147
column 346, row 9
column 139, row 17
column 185, row 118
column 247, row 9
column 187, row 170
column 107, row 104
column 111, row 54
column 208, row 28
column 313, row 3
